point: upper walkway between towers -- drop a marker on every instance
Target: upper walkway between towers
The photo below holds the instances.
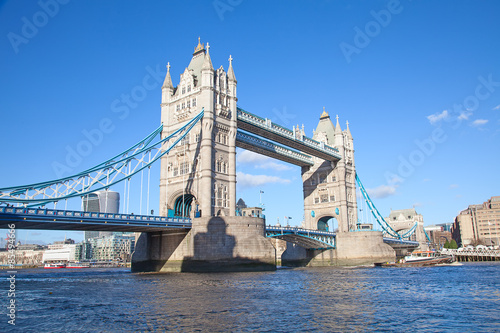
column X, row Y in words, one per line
column 265, row 128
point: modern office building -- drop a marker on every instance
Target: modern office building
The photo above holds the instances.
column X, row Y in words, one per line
column 102, row 202
column 114, row 247
column 478, row 224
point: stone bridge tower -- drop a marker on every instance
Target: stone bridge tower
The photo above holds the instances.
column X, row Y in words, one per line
column 198, row 176
column 329, row 187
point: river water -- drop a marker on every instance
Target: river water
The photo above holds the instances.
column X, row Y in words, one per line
column 427, row 299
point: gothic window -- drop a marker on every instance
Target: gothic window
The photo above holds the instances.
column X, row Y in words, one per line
column 184, row 168
column 316, row 200
column 189, row 88
column 334, row 178
column 197, row 137
column 176, row 171
column 188, row 103
column 322, row 178
column 183, row 90
column 224, row 170
column 194, row 101
column 178, row 107
column 332, row 198
column 313, row 181
column 218, row 166
column 324, row 198
column 183, row 105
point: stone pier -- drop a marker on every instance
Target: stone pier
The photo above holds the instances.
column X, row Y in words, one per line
column 352, row 249
column 214, row 244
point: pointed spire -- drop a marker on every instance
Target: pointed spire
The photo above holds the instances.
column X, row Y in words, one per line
column 207, row 63
column 347, row 129
column 337, row 127
column 230, row 71
column 324, row 114
column 200, row 47
column 168, row 79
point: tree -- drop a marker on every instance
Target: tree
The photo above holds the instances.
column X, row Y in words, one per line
column 453, row 244
column 446, row 244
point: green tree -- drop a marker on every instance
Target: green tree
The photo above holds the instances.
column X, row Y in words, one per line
column 453, row 244
column 446, row 244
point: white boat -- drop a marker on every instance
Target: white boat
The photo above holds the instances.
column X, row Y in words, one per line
column 54, row 266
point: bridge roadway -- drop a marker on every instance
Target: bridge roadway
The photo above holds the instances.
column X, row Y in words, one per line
column 53, row 219
column 267, row 129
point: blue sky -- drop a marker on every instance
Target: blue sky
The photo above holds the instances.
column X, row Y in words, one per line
column 418, row 81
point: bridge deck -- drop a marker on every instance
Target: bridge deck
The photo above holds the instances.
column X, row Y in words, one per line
column 269, row 130
column 51, row 219
column 267, row 148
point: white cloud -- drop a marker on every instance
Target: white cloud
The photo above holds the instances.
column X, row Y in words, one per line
column 427, row 179
column 464, row 115
column 437, row 117
column 496, row 107
column 382, row 191
column 245, row 180
column 479, row 122
column 417, row 204
column 452, row 186
column 247, row 156
column 261, row 161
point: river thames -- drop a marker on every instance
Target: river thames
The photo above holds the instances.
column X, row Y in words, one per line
column 427, row 299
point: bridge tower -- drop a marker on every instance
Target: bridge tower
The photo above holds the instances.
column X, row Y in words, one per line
column 329, row 186
column 198, row 176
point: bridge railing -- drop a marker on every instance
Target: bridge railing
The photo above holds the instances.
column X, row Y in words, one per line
column 472, row 252
column 95, row 215
column 264, row 144
column 299, row 230
column 285, row 132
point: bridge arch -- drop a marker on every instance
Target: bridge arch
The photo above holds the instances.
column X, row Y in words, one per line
column 327, row 223
column 182, row 204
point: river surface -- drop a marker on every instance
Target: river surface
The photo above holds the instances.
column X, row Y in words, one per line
column 427, row 299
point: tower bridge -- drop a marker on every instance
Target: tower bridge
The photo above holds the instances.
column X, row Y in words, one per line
column 201, row 128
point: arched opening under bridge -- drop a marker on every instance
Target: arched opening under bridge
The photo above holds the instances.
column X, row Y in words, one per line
column 328, row 223
column 183, row 205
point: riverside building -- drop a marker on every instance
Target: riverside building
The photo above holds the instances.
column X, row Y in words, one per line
column 478, row 224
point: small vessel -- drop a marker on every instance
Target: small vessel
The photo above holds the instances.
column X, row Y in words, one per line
column 54, row 266
column 77, row 265
column 420, row 259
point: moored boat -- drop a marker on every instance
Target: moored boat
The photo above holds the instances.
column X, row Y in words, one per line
column 420, row 259
column 54, row 265
column 77, row 265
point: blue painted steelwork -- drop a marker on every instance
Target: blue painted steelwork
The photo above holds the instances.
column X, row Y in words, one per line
column 268, row 148
column 401, row 242
column 53, row 219
column 265, row 127
column 120, row 168
column 379, row 218
column 308, row 239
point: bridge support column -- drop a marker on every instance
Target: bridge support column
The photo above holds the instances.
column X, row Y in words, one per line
column 352, row 249
column 214, row 244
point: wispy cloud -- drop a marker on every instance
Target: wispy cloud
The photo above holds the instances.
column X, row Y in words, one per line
column 427, row 179
column 464, row 115
column 246, row 180
column 261, row 161
column 437, row 117
column 496, row 107
column 479, row 122
column 382, row 191
column 453, row 186
column 417, row 204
